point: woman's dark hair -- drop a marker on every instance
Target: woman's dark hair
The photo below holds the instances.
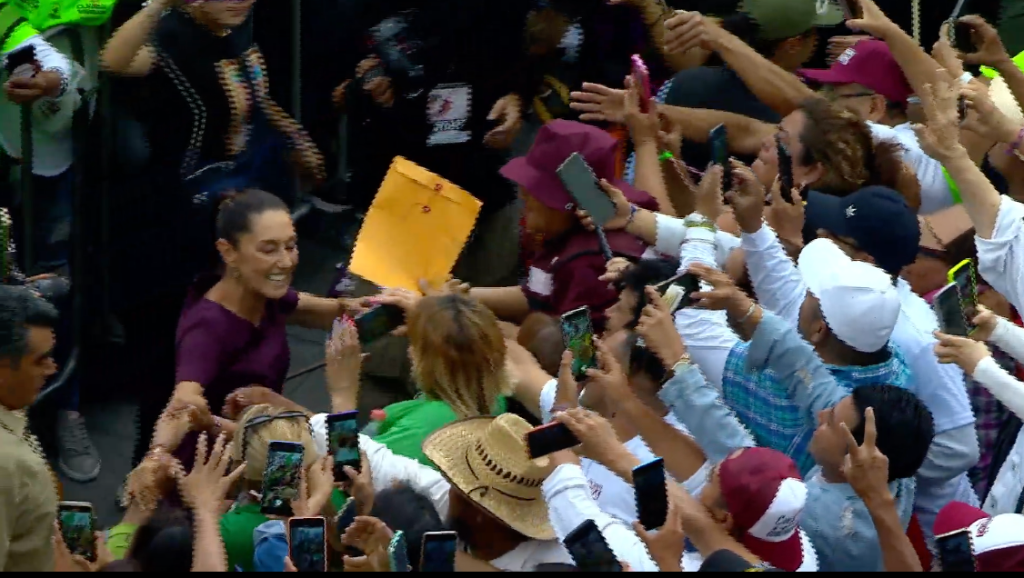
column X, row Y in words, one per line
column 643, row 273
column 844, row 145
column 164, row 543
column 402, row 508
column 234, row 218
column 905, row 426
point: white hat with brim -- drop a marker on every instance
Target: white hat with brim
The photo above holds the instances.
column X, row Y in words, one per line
column 486, row 459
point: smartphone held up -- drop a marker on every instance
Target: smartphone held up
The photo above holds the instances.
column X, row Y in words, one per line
column 77, row 522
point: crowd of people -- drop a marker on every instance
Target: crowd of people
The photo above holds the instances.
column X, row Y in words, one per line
column 800, row 316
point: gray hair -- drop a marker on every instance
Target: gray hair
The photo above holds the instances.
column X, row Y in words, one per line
column 20, row 309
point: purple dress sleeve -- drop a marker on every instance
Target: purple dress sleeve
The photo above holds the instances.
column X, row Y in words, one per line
column 200, row 349
column 289, row 303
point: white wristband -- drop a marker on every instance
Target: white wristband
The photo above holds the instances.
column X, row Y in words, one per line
column 966, row 78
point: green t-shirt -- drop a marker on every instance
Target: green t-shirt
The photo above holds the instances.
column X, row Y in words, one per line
column 237, row 527
column 46, row 14
column 13, row 19
column 408, row 423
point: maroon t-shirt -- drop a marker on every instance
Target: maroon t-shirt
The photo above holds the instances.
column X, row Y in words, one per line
column 223, row 352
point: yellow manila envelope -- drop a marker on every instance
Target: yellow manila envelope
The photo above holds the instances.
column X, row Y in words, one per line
column 415, row 228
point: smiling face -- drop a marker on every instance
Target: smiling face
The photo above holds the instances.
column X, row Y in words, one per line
column 265, row 257
column 226, row 13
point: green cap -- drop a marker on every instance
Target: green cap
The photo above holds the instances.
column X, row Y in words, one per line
column 781, row 19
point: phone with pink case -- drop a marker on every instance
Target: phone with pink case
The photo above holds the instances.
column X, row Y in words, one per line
column 642, row 78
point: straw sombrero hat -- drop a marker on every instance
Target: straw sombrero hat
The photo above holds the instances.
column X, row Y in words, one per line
column 486, row 458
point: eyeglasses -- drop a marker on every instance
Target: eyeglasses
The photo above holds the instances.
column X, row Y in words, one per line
column 264, row 419
column 834, row 97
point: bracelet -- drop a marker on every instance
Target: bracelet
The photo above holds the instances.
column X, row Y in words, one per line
column 1016, row 142
column 750, row 312
column 558, row 408
column 666, row 155
column 633, row 210
column 966, row 78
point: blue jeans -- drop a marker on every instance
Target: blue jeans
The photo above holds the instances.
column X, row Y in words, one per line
column 51, row 229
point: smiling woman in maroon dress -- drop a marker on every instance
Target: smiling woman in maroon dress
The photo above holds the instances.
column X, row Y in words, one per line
column 232, row 329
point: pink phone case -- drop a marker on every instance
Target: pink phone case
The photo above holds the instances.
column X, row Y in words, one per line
column 643, row 78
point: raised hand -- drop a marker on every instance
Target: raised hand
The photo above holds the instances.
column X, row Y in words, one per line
column 940, row 136
column 598, row 440
column 990, row 50
column 962, row 351
column 371, row 536
column 509, row 110
column 597, row 102
column 866, row 468
column 657, row 327
column 746, row 198
column 206, row 486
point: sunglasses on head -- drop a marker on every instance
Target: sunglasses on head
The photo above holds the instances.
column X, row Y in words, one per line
column 264, row 419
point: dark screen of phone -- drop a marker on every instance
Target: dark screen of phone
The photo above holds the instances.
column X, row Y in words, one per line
column 651, row 496
column 549, row 439
column 307, row 545
column 439, row 553
column 955, row 552
column 77, row 529
column 951, row 313
column 785, row 170
column 378, row 322
column 689, row 284
column 578, row 338
column 590, row 551
column 281, row 478
column 720, row 154
column 343, row 440
column 581, row 182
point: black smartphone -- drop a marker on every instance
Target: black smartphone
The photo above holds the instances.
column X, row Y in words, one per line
column 582, row 183
column 950, row 311
column 343, row 442
column 398, row 554
column 678, row 289
column 785, row 170
column 346, row 516
column 651, row 496
column 281, row 478
column 77, row 522
column 590, row 550
column 378, row 322
column 21, row 63
column 578, row 338
column 719, row 141
column 956, row 554
column 307, row 544
column 438, row 552
column 550, row 438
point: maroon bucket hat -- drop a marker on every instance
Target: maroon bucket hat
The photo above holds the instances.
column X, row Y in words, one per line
column 555, row 142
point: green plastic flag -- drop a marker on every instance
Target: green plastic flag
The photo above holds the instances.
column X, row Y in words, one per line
column 46, row 14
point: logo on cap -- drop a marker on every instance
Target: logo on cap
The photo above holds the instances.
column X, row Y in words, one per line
column 845, row 57
column 783, row 527
column 851, row 211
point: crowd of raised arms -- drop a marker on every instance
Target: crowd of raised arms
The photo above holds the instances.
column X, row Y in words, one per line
column 590, row 285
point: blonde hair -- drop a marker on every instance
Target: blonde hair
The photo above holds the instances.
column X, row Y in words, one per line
column 257, row 439
column 458, row 354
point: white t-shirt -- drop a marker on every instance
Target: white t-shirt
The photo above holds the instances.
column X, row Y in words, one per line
column 614, row 496
column 935, row 192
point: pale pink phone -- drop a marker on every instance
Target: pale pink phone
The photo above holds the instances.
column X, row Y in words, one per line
column 642, row 78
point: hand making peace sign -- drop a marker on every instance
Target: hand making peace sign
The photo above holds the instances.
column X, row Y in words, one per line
column 866, row 468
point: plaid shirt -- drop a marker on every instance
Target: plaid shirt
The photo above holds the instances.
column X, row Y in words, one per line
column 766, row 408
column 989, row 416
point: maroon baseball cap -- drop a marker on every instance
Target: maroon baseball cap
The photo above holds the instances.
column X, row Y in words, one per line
column 765, row 495
column 868, row 63
column 997, row 542
column 555, row 142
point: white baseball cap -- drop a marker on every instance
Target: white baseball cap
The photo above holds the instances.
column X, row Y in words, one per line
column 858, row 300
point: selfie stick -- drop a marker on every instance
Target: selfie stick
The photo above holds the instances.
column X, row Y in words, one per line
column 602, row 240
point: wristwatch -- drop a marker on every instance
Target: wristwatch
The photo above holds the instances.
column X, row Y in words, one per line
column 681, row 365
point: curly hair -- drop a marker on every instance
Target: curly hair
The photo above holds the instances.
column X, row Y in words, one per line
column 458, row 353
column 845, row 147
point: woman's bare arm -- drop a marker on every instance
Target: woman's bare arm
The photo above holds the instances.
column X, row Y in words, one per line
column 127, row 52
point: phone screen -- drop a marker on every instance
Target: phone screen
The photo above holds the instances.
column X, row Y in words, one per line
column 343, row 442
column 719, row 141
column 78, row 528
column 398, row 555
column 651, row 496
column 22, row 62
column 281, row 478
column 581, row 182
column 950, row 311
column 550, row 438
column 785, row 170
column 589, row 549
column 955, row 552
column 438, row 552
column 677, row 291
column 378, row 322
column 578, row 338
column 307, row 544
